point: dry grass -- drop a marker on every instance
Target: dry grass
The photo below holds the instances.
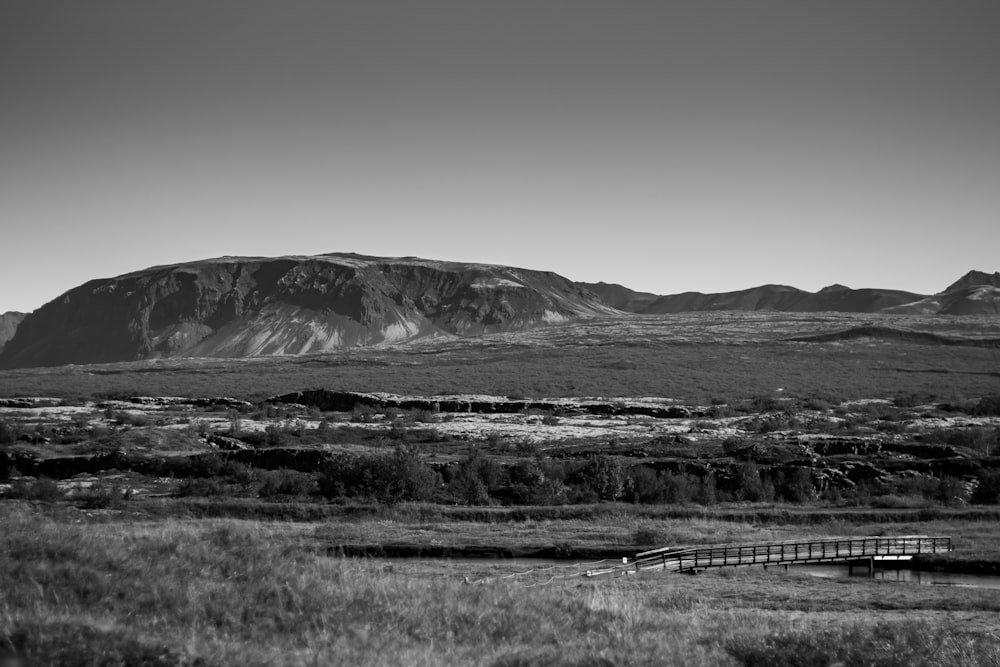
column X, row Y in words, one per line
column 226, row 592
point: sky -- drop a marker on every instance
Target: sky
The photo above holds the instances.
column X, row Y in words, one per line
column 667, row 146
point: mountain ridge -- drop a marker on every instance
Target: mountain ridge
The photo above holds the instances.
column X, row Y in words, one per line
column 236, row 306
column 296, row 304
column 976, row 293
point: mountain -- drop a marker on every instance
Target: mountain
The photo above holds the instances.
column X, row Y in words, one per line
column 975, row 293
column 975, row 279
column 783, row 299
column 247, row 306
column 620, row 297
column 976, row 300
column 765, row 297
column 8, row 325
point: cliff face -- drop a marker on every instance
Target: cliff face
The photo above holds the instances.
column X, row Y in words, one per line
column 238, row 306
column 8, row 325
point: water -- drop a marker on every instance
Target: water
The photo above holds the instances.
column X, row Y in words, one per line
column 901, row 575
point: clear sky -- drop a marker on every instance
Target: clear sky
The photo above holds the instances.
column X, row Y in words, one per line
column 668, row 146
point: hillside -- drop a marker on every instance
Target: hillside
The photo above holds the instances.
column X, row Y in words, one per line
column 621, row 297
column 242, row 306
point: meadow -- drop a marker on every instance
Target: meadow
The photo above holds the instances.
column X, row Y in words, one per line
column 99, row 590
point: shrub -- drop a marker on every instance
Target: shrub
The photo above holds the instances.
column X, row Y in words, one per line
column 101, row 496
column 531, row 484
column 9, row 433
column 364, row 414
column 41, row 489
column 733, row 445
column 274, row 435
column 988, row 490
column 648, row 486
column 795, row 485
column 605, row 476
column 398, row 477
column 983, row 440
column 474, row 478
column 129, row 418
column 276, row 483
column 645, row 485
column 988, row 406
column 202, row 486
column 749, row 486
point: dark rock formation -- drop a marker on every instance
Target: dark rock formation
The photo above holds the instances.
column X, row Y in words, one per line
column 346, row 401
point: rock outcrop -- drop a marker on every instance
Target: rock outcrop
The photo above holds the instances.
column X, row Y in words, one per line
column 346, row 401
column 8, row 326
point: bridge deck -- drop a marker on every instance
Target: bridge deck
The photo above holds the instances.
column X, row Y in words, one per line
column 780, row 553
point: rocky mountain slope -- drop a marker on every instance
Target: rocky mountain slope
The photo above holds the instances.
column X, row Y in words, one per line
column 242, row 306
column 975, row 279
column 8, row 325
column 975, row 300
column 975, row 293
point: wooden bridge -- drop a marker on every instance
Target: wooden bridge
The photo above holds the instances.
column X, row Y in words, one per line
column 861, row 550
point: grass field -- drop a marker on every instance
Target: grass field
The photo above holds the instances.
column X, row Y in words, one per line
column 101, row 590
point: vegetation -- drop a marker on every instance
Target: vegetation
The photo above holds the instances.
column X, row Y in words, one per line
column 246, row 593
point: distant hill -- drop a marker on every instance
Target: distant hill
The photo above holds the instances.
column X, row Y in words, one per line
column 976, row 293
column 8, row 325
column 621, row 297
column 248, row 306
column 783, row 299
column 765, row 297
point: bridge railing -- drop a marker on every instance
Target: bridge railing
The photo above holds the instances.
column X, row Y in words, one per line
column 809, row 551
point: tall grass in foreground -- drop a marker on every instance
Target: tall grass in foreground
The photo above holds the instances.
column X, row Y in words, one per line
column 231, row 593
